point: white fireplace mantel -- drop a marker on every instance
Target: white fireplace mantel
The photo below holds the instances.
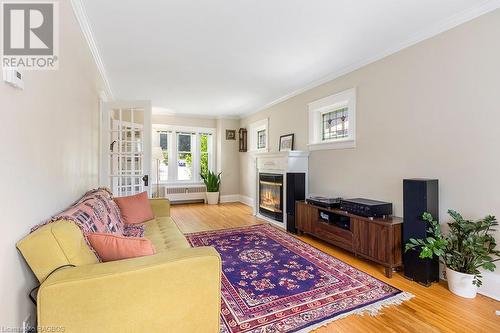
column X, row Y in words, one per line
column 279, row 163
column 291, row 161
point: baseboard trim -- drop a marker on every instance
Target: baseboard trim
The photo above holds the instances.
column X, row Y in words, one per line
column 230, row 198
column 237, row 198
column 246, row 200
column 490, row 285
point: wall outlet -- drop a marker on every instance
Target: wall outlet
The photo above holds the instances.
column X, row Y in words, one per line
column 14, row 77
column 28, row 325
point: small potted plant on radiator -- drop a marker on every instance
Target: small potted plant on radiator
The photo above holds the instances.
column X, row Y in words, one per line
column 212, row 182
column 468, row 247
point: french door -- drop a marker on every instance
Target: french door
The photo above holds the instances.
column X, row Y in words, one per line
column 126, row 147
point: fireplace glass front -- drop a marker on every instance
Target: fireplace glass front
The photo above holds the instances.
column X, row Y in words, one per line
column 271, row 196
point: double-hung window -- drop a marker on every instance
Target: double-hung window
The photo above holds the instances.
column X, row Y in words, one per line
column 204, row 152
column 187, row 152
column 184, row 156
column 261, row 139
column 163, row 168
column 259, row 136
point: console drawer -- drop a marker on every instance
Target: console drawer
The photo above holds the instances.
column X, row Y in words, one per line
column 338, row 236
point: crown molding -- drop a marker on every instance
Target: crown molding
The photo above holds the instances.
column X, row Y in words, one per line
column 81, row 16
column 430, row 32
column 182, row 115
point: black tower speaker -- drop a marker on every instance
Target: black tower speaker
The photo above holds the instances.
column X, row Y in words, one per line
column 295, row 190
column 419, row 196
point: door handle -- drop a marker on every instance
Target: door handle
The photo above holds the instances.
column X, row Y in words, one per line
column 145, row 179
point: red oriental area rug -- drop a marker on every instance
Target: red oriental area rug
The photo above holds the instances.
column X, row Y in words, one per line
column 273, row 282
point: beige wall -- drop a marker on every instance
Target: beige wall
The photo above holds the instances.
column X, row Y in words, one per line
column 431, row 110
column 228, row 158
column 49, row 149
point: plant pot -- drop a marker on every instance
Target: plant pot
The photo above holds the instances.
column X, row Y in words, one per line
column 461, row 284
column 212, row 198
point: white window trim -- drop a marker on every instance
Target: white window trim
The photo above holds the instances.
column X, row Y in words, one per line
column 255, row 127
column 195, row 146
column 317, row 108
column 175, row 128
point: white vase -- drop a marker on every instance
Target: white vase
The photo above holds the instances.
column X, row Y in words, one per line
column 461, row 284
column 212, row 198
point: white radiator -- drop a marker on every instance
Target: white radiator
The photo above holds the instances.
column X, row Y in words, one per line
column 183, row 193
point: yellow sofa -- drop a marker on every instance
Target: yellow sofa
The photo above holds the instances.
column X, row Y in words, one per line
column 176, row 290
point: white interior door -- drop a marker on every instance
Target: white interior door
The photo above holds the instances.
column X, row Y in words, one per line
column 126, row 147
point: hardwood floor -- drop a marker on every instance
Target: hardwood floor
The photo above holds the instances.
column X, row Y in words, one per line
column 433, row 309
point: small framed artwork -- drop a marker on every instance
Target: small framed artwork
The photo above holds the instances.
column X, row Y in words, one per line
column 286, row 142
column 230, row 134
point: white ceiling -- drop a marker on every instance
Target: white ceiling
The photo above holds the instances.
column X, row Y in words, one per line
column 232, row 57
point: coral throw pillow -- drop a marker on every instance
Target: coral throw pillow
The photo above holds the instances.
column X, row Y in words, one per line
column 111, row 247
column 135, row 209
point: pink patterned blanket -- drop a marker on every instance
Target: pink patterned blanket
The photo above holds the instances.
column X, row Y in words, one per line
column 96, row 211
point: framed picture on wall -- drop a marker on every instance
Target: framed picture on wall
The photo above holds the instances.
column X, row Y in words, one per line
column 286, row 142
column 230, row 134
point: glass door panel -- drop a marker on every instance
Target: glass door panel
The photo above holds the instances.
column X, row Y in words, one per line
column 127, row 155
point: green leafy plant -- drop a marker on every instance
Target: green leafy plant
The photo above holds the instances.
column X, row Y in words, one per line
column 466, row 248
column 211, row 180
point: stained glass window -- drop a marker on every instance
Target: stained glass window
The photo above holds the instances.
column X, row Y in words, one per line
column 335, row 124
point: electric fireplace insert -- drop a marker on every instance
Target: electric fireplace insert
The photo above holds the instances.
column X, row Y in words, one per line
column 271, row 196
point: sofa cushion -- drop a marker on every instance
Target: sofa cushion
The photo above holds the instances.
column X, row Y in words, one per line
column 165, row 235
column 54, row 245
column 160, row 206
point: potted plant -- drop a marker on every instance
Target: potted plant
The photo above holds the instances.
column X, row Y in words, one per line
column 466, row 248
column 212, row 182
